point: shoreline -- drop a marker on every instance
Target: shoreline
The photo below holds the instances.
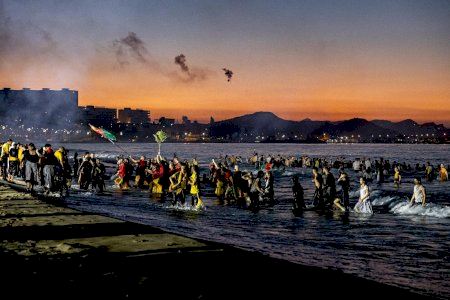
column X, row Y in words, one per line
column 50, row 250
column 231, row 142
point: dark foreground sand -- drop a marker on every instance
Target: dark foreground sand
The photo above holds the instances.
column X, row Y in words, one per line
column 50, row 251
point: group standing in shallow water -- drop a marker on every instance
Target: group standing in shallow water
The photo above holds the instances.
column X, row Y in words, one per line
column 161, row 177
column 325, row 192
column 179, row 180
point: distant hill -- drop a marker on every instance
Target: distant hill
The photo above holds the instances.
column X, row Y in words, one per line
column 267, row 124
column 354, row 127
column 307, row 126
column 263, row 124
column 410, row 127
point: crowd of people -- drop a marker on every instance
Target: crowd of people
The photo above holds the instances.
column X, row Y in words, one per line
column 174, row 178
column 48, row 168
column 326, row 194
column 180, row 180
column 37, row 166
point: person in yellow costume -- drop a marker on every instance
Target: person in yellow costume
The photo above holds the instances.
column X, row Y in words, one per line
column 219, row 191
column 195, row 191
column 64, row 167
column 178, row 185
column 21, row 154
column 397, row 177
column 59, row 155
column 157, row 173
column 4, row 157
column 443, row 174
column 220, row 181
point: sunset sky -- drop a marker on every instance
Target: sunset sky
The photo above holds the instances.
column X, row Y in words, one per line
column 299, row 59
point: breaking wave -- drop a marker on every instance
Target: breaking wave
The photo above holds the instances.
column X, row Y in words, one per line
column 401, row 206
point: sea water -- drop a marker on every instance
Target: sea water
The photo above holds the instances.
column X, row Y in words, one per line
column 398, row 245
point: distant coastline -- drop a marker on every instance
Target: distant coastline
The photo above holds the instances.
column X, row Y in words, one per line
column 259, row 127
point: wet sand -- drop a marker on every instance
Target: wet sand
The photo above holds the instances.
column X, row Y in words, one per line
column 48, row 250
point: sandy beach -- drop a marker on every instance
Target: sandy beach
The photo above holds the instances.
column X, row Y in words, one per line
column 48, row 250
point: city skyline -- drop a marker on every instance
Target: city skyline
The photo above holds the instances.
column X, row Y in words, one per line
column 121, row 113
column 318, row 60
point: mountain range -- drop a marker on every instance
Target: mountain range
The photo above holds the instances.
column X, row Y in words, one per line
column 267, row 124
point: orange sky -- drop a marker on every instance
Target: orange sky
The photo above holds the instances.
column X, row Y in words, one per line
column 332, row 92
column 328, row 91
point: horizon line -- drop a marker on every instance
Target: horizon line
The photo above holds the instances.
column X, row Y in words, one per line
column 445, row 123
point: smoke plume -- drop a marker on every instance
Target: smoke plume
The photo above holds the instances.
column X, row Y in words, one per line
column 21, row 40
column 181, row 61
column 32, row 54
column 228, row 73
column 131, row 47
column 189, row 74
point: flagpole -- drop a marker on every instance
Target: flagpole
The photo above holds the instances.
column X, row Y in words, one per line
column 119, row 147
column 104, row 134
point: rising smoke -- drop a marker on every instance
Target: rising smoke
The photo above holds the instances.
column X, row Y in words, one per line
column 37, row 60
column 21, row 40
column 228, row 74
column 181, row 61
column 30, row 52
column 189, row 74
column 131, row 47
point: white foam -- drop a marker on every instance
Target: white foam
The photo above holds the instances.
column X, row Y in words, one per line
column 383, row 201
column 375, row 193
column 287, row 173
column 430, row 209
column 75, row 187
column 85, row 194
column 185, row 207
column 401, row 206
column 54, row 194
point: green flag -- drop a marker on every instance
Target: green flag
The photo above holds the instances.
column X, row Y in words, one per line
column 160, row 136
column 104, row 133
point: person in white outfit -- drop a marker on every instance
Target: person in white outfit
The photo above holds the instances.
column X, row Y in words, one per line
column 419, row 196
column 357, row 165
column 363, row 205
